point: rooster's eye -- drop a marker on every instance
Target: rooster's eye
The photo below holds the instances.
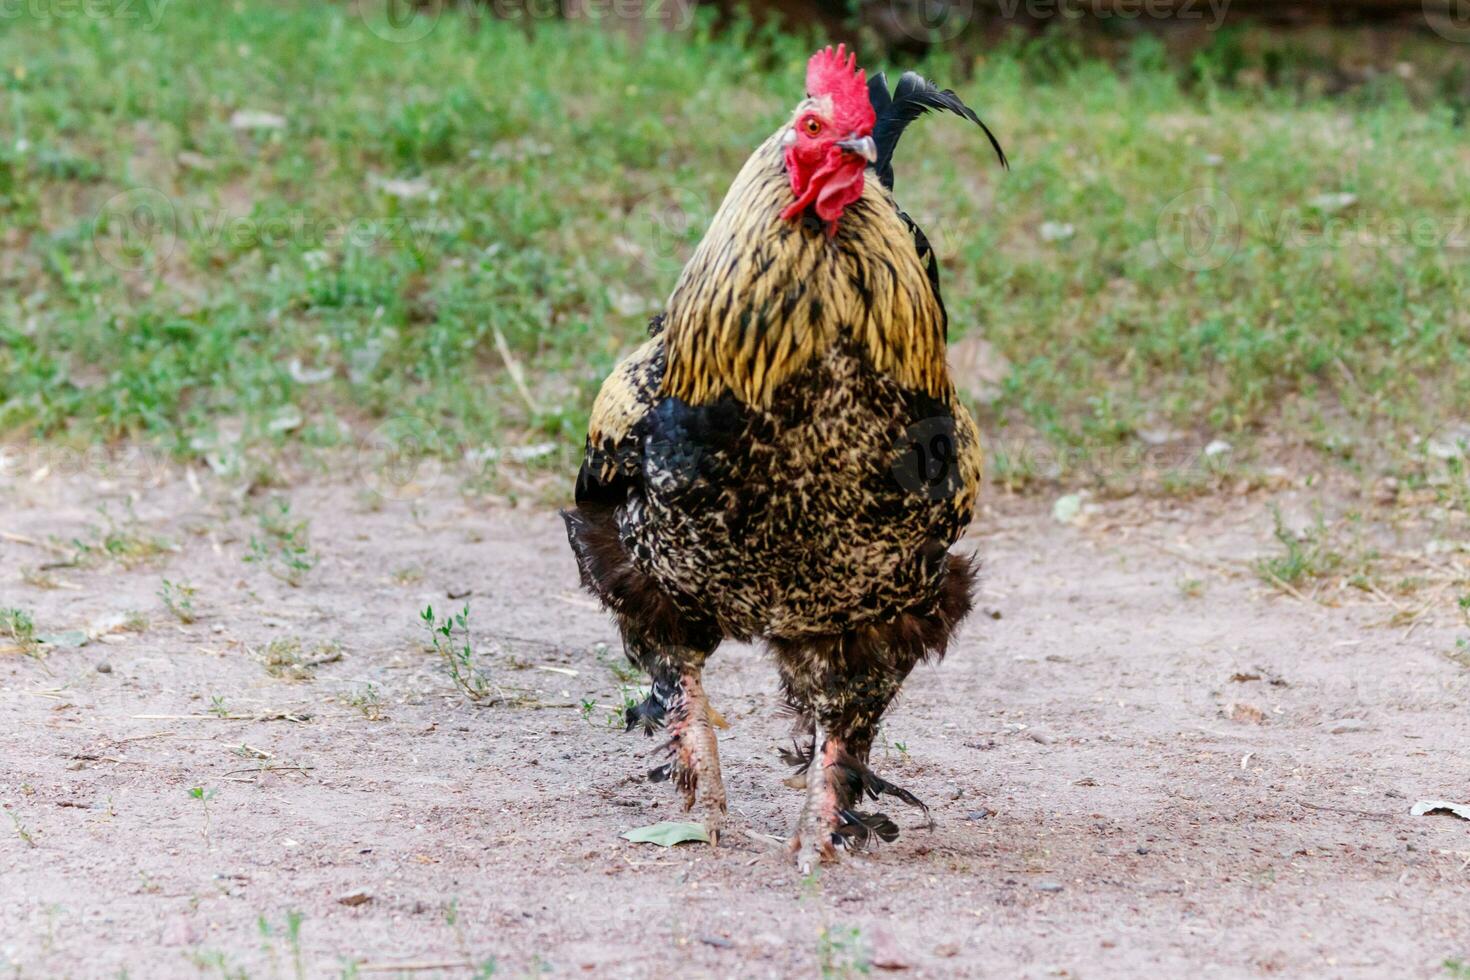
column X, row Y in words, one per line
column 812, row 126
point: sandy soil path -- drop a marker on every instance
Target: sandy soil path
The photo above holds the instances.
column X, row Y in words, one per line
column 1127, row 781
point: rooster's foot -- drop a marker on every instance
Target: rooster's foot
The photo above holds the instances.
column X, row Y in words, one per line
column 835, row 783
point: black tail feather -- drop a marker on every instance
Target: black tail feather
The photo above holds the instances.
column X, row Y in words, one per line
column 652, row 712
column 798, row 756
column 858, row 829
column 859, row 780
column 648, row 715
column 914, row 96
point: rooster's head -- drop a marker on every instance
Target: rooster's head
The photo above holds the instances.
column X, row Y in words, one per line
column 830, row 141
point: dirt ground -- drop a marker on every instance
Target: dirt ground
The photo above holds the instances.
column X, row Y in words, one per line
column 1140, row 761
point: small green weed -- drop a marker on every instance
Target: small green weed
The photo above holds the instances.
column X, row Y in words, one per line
column 290, row 931
column 204, row 796
column 178, row 598
column 20, row 829
column 289, row 659
column 207, row 961
column 124, row 541
column 841, row 952
column 1307, row 556
column 18, row 626
column 459, row 655
column 368, row 702
column 284, row 546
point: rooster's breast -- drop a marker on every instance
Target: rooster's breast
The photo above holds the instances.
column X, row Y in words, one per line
column 829, row 508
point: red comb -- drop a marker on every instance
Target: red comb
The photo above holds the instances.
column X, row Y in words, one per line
column 836, row 74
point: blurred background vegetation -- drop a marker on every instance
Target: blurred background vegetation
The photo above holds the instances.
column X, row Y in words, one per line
column 1229, row 242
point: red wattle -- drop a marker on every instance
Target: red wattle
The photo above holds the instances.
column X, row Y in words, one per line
column 831, row 188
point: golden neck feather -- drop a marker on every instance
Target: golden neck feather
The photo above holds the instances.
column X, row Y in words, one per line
column 762, row 297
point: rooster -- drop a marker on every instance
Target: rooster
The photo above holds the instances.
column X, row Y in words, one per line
column 786, row 459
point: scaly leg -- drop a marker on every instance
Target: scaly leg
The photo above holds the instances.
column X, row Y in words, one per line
column 677, row 702
column 847, row 697
column 821, row 813
column 695, row 766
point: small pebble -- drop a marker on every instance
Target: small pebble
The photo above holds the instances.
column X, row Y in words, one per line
column 980, row 814
column 955, row 792
column 1048, row 886
column 104, row 668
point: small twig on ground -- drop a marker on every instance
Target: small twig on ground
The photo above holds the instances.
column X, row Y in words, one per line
column 517, row 375
column 1376, row 814
column 32, row 542
column 236, row 772
column 414, row 967
column 766, row 841
column 140, row 738
column 1286, row 587
column 1224, row 567
column 265, row 716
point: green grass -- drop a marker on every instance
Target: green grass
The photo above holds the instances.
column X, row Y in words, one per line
column 434, row 218
column 18, row 626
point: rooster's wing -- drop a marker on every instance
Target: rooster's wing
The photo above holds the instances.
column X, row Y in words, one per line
column 613, row 465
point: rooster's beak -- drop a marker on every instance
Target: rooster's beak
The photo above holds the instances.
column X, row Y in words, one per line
column 863, row 146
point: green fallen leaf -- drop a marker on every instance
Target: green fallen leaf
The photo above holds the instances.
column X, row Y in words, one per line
column 67, row 638
column 668, row 833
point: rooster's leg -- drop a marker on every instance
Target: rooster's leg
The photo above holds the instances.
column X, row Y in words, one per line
column 820, row 814
column 677, row 704
column 694, row 765
column 847, row 706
